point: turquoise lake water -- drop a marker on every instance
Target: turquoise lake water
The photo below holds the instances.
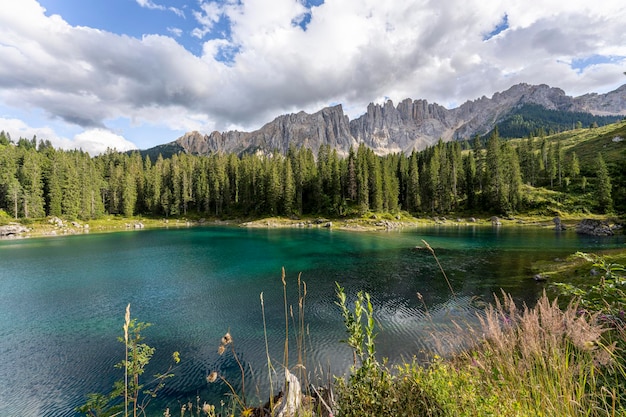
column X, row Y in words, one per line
column 62, row 301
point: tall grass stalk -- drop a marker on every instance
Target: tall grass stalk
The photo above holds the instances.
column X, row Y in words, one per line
column 286, row 353
column 126, row 325
column 440, row 267
column 267, row 355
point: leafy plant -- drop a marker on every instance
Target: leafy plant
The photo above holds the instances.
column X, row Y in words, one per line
column 607, row 293
column 131, row 395
column 361, row 335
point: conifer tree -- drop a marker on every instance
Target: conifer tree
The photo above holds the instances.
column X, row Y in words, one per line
column 413, row 188
column 70, row 186
column 513, row 179
column 375, row 181
column 551, row 165
column 494, row 173
column 52, row 183
column 469, row 163
column 574, row 166
column 603, row 185
column 289, row 188
column 362, row 174
column 31, row 183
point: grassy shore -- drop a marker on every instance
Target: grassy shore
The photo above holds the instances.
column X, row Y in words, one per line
column 53, row 226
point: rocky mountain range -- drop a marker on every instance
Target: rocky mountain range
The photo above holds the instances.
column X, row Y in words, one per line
column 387, row 128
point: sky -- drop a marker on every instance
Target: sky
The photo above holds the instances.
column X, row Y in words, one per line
column 126, row 74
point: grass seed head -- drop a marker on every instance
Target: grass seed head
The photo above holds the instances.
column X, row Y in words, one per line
column 227, row 339
column 212, row 377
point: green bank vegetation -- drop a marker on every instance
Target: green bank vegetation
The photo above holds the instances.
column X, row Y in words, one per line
column 544, row 360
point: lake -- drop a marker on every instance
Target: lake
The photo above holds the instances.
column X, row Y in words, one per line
column 62, row 301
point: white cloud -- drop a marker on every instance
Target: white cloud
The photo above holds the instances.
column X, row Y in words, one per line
column 93, row 141
column 208, row 15
column 97, row 141
column 177, row 11
column 18, row 129
column 175, row 31
column 352, row 52
column 149, row 4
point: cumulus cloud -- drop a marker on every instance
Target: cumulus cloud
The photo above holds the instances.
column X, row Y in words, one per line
column 97, row 141
column 93, row 141
column 267, row 61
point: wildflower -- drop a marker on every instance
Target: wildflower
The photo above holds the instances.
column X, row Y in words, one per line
column 227, row 339
column 221, row 350
column 212, row 377
column 208, row 408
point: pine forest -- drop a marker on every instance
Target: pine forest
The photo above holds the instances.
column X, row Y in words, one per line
column 492, row 176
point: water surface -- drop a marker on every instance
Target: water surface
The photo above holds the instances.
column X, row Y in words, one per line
column 62, row 300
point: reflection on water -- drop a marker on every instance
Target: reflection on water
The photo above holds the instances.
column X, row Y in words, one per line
column 62, row 301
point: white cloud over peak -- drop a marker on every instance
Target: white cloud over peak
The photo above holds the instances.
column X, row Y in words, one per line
column 258, row 62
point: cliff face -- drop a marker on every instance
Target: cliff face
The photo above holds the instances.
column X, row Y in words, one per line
column 412, row 124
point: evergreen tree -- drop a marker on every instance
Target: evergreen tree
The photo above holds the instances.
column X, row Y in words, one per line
column 201, row 186
column 351, row 175
column 603, row 186
column 512, row 179
column 559, row 162
column 391, row 188
column 70, row 186
column 551, row 165
column 129, row 194
column 494, row 174
column 362, row 175
column 31, row 182
column 154, row 183
column 413, row 186
column 273, row 186
column 4, row 138
column 574, row 166
column 289, row 188
column 470, row 179
column 52, row 183
column 375, row 181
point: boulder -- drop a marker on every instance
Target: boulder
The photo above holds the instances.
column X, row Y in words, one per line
column 12, row 229
column 594, row 227
column 56, row 221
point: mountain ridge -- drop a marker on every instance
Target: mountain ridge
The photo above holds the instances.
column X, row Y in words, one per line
column 388, row 128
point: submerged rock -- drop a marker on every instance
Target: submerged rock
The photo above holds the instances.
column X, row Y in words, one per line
column 557, row 224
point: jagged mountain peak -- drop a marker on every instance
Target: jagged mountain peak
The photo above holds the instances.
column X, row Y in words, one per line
column 386, row 128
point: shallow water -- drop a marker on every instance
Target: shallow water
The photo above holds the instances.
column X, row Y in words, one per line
column 62, row 301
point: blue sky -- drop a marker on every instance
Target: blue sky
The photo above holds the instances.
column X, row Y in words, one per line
column 130, row 74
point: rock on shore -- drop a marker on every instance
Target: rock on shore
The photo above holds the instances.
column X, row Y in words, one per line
column 12, row 230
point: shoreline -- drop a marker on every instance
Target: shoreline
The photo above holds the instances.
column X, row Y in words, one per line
column 55, row 227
